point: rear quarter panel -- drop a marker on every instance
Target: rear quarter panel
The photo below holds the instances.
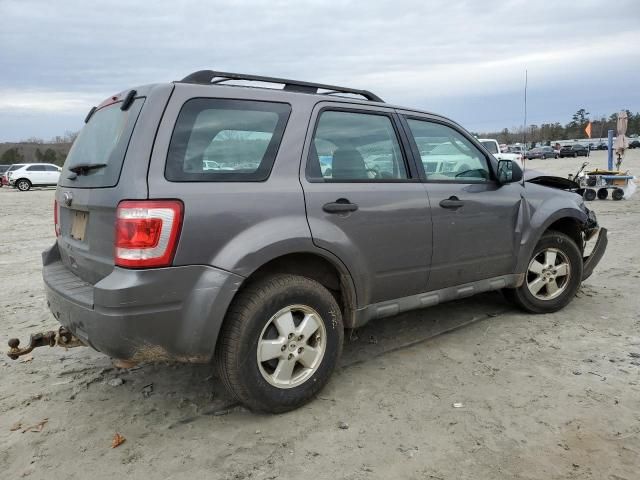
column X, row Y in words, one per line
column 237, row 226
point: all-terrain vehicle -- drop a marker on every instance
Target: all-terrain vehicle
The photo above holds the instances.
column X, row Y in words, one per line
column 213, row 220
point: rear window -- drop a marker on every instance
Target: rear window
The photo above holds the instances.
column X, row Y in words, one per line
column 491, row 146
column 225, row 140
column 103, row 140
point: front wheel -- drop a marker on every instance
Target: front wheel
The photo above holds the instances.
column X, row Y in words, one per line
column 280, row 342
column 553, row 275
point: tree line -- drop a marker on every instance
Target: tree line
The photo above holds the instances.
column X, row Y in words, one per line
column 550, row 132
column 17, row 155
column 34, row 149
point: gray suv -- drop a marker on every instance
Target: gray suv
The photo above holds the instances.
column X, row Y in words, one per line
column 212, row 220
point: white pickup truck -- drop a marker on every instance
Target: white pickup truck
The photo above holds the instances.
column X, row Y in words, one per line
column 494, row 148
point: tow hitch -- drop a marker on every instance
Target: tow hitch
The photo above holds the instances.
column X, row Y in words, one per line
column 61, row 338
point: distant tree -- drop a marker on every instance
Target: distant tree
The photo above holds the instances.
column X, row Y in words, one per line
column 39, row 155
column 580, row 117
column 49, row 156
column 60, row 158
column 12, row 155
column 504, row 136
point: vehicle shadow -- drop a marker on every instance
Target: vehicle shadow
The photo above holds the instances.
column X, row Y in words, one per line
column 173, row 386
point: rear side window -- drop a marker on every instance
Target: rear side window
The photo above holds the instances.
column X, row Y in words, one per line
column 103, row 140
column 36, row 168
column 219, row 140
column 355, row 147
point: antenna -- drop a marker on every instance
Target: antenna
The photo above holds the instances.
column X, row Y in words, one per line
column 524, row 135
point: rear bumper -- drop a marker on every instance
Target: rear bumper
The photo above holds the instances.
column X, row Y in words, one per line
column 172, row 313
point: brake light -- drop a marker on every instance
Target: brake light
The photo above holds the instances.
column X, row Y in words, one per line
column 147, row 232
column 56, row 224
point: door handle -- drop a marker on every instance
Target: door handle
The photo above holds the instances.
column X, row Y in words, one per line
column 452, row 202
column 340, row 206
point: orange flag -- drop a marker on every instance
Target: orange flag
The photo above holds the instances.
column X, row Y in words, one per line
column 587, row 129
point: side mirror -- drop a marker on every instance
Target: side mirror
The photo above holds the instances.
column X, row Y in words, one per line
column 508, row 172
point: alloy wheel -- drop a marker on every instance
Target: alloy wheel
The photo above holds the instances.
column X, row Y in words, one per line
column 548, row 274
column 291, row 346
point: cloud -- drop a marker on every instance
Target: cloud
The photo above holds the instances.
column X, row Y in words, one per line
column 418, row 53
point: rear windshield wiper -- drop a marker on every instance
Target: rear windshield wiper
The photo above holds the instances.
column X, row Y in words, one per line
column 85, row 167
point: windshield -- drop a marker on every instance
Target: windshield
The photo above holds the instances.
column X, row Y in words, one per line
column 491, row 146
column 103, row 140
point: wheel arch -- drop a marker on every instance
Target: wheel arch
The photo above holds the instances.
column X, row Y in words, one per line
column 329, row 272
column 568, row 221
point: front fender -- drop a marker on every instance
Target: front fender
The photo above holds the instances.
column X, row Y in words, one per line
column 541, row 219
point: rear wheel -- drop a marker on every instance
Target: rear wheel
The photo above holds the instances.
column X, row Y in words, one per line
column 23, row 185
column 553, row 276
column 280, row 342
column 589, row 194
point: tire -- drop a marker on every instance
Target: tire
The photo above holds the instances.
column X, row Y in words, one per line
column 566, row 252
column 23, row 185
column 603, row 193
column 575, row 155
column 618, row 194
column 250, row 329
column 556, row 157
column 589, row 194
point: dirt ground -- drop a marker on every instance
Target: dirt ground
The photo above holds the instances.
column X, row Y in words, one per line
column 501, row 395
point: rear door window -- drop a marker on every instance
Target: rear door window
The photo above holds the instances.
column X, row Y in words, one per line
column 103, row 140
column 355, row 147
column 225, row 140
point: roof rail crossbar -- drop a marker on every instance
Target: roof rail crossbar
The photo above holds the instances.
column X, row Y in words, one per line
column 208, row 77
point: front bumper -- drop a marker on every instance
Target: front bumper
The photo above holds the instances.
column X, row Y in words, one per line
column 172, row 313
column 594, row 258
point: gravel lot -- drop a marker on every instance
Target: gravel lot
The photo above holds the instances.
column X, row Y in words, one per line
column 536, row 397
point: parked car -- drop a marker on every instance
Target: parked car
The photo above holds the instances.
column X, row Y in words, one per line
column 634, row 144
column 541, row 152
column 27, row 175
column 494, row 148
column 601, row 146
column 575, row 150
column 260, row 269
column 518, row 149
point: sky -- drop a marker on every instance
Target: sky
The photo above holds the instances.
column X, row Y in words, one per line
column 463, row 59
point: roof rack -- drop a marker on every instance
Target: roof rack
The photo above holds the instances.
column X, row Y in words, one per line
column 208, row 77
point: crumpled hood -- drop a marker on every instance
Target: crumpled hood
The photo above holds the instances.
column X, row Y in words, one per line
column 540, row 178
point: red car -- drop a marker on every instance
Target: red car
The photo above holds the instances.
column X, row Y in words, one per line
column 3, row 175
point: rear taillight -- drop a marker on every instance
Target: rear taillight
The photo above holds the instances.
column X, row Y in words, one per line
column 147, row 232
column 56, row 223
